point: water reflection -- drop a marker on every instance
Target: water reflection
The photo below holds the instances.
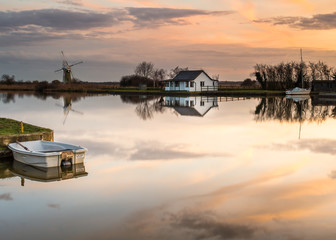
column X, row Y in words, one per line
column 5, row 165
column 146, row 105
column 223, row 176
column 67, row 106
column 51, row 174
column 191, row 106
column 294, row 110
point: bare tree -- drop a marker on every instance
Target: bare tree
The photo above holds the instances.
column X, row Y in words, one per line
column 173, row 72
column 144, row 69
column 158, row 75
column 8, row 79
column 215, row 77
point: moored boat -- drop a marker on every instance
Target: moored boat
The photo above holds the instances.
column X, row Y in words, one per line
column 47, row 154
column 298, row 91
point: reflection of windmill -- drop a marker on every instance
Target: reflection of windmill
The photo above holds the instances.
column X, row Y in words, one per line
column 67, row 107
column 67, row 74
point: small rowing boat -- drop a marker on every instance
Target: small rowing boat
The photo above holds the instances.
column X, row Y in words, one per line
column 47, row 154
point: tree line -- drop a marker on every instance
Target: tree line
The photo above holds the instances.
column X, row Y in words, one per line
column 288, row 75
column 146, row 73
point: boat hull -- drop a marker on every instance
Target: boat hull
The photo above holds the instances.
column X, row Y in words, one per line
column 47, row 154
column 298, row 91
column 47, row 161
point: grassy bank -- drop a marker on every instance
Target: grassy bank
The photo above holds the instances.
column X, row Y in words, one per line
column 12, row 127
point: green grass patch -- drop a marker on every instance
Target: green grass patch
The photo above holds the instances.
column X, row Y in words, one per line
column 12, row 127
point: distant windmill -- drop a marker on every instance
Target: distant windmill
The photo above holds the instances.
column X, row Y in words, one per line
column 67, row 74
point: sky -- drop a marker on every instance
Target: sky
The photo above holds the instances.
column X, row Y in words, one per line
column 222, row 37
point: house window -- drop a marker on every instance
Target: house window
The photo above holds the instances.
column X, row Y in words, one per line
column 191, row 84
column 187, row 103
column 167, row 84
column 176, row 84
column 192, row 103
column 187, row 85
column 202, row 84
column 202, row 103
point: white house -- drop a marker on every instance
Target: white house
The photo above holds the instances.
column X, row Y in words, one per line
column 191, row 106
column 192, row 81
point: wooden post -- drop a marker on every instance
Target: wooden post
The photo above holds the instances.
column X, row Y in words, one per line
column 21, row 126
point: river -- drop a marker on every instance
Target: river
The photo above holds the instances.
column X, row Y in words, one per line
column 176, row 168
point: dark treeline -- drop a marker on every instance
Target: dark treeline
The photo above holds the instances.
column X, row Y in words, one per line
column 146, row 73
column 287, row 110
column 288, row 75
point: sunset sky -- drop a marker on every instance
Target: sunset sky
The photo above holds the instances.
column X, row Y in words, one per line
column 225, row 37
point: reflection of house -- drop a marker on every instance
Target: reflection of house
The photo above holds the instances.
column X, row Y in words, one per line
column 191, row 106
column 324, row 86
column 192, row 81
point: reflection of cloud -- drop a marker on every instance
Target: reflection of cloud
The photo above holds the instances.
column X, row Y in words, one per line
column 205, row 225
column 142, row 151
column 52, row 205
column 6, row 197
column 332, row 175
column 316, row 22
column 166, row 153
column 327, row 146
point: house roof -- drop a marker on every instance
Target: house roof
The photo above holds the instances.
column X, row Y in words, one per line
column 189, row 75
column 187, row 111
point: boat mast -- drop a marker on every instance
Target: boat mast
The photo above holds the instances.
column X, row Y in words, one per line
column 301, row 68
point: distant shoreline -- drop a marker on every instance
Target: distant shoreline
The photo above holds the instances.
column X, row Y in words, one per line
column 94, row 88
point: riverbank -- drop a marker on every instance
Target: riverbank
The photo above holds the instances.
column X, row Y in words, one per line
column 11, row 131
column 94, row 88
column 44, row 88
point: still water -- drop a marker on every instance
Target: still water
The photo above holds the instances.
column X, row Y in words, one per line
column 176, row 168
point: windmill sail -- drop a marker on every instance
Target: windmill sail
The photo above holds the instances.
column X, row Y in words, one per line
column 66, row 68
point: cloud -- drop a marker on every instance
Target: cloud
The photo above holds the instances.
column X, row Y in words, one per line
column 316, row 22
column 6, row 197
column 32, row 37
column 72, row 2
column 153, row 17
column 56, row 19
column 332, row 175
column 52, row 205
column 205, row 225
column 59, row 20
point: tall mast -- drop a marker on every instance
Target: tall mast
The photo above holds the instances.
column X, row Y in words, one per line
column 301, row 68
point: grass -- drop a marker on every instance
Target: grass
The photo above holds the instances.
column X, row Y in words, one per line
column 12, row 127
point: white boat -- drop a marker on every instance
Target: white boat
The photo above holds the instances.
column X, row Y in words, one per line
column 47, row 154
column 297, row 90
